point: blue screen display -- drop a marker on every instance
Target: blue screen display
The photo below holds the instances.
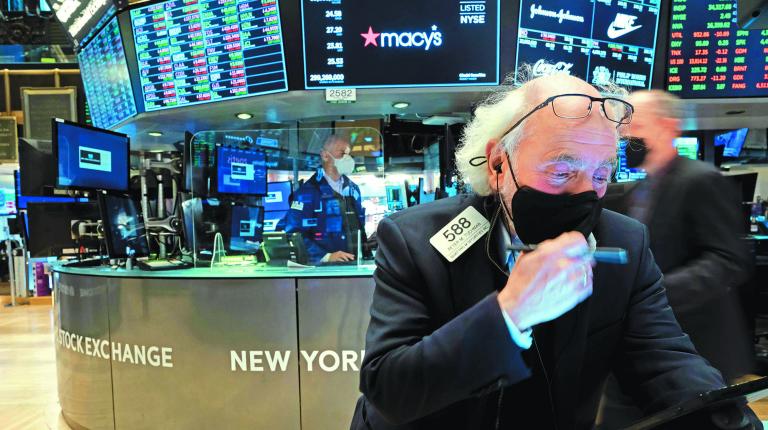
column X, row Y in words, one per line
column 733, row 141
column 277, row 196
column 21, row 201
column 241, row 171
column 89, row 158
column 247, row 228
column 272, row 220
column 594, row 40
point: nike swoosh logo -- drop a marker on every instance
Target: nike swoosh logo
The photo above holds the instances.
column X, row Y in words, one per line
column 614, row 32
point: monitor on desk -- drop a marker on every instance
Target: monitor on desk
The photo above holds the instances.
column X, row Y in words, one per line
column 246, row 228
column 746, row 183
column 124, row 229
column 50, row 228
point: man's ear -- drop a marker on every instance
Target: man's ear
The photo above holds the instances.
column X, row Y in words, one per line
column 494, row 155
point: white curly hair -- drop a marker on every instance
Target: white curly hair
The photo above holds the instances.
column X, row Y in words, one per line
column 493, row 117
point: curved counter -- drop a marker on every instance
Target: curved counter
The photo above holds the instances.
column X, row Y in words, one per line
column 229, row 347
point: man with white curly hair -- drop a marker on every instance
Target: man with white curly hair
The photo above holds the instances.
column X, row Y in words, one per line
column 467, row 333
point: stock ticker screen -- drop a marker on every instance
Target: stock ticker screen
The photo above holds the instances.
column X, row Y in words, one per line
column 709, row 56
column 105, row 76
column 199, row 51
column 596, row 40
column 400, row 43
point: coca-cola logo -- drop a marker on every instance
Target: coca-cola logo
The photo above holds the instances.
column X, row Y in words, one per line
column 541, row 68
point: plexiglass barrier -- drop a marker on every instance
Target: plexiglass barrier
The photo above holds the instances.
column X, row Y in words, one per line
column 300, row 196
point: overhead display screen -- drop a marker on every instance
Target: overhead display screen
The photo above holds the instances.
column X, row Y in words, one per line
column 595, row 40
column 80, row 18
column 710, row 57
column 199, row 51
column 105, row 75
column 400, row 43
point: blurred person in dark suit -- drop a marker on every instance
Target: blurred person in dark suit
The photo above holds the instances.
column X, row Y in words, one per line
column 693, row 217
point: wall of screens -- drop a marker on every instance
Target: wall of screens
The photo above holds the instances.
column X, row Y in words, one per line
column 105, row 76
column 710, row 57
column 594, row 40
column 199, row 51
column 378, row 44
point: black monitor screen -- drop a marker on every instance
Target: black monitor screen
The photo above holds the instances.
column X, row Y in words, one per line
column 50, row 227
column 37, row 167
column 123, row 227
column 88, row 157
column 277, row 196
column 400, row 43
column 240, row 171
column 709, row 56
column 200, row 51
column 105, row 76
column 247, row 225
column 594, row 40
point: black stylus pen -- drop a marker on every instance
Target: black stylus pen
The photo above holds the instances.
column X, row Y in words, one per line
column 601, row 255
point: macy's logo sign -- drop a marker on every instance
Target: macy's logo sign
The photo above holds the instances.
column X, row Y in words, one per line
column 404, row 39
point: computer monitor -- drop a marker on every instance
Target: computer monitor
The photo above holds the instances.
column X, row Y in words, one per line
column 13, row 225
column 272, row 220
column 50, row 228
column 37, row 167
column 89, row 157
column 732, row 142
column 240, row 171
column 746, row 184
column 277, row 198
column 395, row 198
column 124, row 229
column 687, row 147
column 246, row 228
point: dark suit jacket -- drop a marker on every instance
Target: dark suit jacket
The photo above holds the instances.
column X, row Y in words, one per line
column 439, row 355
column 694, row 225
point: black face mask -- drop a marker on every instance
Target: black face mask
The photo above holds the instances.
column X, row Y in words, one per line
column 539, row 216
column 636, row 151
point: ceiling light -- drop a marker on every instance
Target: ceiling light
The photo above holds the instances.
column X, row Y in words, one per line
column 400, row 105
column 244, row 115
column 155, row 133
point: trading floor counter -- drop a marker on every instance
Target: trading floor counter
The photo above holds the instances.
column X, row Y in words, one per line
column 228, row 347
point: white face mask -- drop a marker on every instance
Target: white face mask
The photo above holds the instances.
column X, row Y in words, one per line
column 345, row 165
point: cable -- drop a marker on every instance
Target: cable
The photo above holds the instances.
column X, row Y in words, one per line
column 546, row 378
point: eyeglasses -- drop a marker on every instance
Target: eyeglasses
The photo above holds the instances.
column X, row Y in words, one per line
column 575, row 106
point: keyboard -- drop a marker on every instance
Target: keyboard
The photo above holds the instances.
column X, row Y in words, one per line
column 163, row 265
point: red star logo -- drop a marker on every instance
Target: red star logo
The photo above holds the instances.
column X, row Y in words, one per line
column 370, row 37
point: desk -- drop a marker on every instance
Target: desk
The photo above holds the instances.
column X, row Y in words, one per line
column 231, row 347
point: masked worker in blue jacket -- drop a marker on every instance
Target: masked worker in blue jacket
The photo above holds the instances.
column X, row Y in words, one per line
column 327, row 208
